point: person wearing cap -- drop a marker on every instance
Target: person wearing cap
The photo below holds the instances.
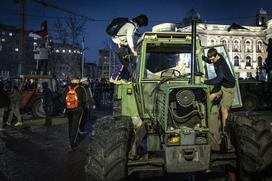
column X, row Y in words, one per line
column 90, row 103
column 126, row 47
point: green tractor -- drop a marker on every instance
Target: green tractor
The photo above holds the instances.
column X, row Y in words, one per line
column 163, row 122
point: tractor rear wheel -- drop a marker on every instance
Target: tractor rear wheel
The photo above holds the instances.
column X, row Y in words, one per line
column 251, row 102
column 108, row 149
column 253, row 142
column 37, row 108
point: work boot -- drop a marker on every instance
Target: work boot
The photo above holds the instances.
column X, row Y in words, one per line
column 224, row 143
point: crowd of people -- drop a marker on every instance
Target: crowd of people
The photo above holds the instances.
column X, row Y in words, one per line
column 10, row 99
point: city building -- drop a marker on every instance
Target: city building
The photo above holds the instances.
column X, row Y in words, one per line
column 64, row 59
column 107, row 62
column 11, row 55
column 91, row 71
column 245, row 44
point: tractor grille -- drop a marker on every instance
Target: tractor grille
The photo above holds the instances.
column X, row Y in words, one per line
column 184, row 106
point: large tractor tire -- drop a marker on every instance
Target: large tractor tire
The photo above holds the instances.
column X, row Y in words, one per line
column 251, row 102
column 253, row 142
column 108, row 149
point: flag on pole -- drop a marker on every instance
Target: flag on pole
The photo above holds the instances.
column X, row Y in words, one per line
column 42, row 32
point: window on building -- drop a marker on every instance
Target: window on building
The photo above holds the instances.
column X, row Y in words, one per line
column 249, row 74
column 259, row 46
column 212, row 42
column 248, row 47
column 260, row 61
column 236, row 61
column 248, row 61
column 225, row 43
column 236, row 46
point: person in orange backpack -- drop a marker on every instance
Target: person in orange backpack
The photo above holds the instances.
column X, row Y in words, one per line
column 74, row 98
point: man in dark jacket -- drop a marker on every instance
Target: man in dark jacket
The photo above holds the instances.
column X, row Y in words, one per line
column 224, row 79
column 14, row 106
column 90, row 103
column 4, row 102
column 47, row 104
column 75, row 115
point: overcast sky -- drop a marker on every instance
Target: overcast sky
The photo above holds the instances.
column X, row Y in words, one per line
column 103, row 11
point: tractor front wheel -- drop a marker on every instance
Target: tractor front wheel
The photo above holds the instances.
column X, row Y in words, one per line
column 108, row 149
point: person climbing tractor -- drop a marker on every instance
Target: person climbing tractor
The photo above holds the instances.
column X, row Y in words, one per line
column 122, row 31
column 224, row 79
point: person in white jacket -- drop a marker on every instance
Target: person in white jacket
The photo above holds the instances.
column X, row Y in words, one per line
column 124, row 41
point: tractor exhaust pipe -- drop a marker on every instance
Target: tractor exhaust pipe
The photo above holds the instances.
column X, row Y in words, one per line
column 193, row 54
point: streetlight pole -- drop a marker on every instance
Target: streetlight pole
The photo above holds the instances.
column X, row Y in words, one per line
column 82, row 58
column 21, row 42
column 110, row 60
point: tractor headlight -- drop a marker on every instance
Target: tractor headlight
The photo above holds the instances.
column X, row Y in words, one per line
column 173, row 139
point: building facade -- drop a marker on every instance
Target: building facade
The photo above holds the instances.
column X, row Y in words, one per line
column 64, row 60
column 11, row 54
column 107, row 62
column 245, row 44
column 91, row 70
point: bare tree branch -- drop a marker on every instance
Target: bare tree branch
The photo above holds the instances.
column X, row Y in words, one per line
column 76, row 28
column 60, row 31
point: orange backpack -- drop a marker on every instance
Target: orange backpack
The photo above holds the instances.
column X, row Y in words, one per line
column 72, row 98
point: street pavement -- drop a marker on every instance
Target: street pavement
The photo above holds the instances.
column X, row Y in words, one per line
column 37, row 153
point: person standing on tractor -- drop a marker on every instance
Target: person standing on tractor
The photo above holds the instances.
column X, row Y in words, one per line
column 122, row 32
column 225, row 80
